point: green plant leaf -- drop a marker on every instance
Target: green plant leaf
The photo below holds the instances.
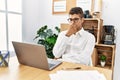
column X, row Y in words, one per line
column 51, row 40
column 41, row 41
column 58, row 29
column 47, row 38
column 49, row 32
column 43, row 35
column 42, row 29
column 102, row 57
column 36, row 37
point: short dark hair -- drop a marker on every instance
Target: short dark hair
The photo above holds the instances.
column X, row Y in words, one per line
column 76, row 10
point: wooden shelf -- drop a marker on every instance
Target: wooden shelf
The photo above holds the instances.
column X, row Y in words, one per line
column 104, row 45
column 106, row 67
column 108, row 51
column 94, row 26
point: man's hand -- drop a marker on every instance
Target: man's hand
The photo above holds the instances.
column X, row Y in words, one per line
column 56, row 58
column 71, row 30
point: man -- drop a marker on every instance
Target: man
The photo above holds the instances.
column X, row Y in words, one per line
column 75, row 44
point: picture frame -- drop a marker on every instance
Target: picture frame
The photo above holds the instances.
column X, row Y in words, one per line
column 63, row 6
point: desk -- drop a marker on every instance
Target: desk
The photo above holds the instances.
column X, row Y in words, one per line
column 16, row 71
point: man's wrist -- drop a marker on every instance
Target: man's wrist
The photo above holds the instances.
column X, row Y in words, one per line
column 67, row 35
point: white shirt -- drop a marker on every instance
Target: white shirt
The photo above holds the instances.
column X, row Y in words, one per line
column 77, row 48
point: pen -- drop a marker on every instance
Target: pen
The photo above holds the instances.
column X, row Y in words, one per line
column 75, row 68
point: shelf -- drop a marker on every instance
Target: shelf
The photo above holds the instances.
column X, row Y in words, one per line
column 104, row 45
column 94, row 26
column 108, row 51
column 106, row 67
column 98, row 19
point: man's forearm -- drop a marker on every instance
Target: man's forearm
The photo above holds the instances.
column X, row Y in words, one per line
column 60, row 46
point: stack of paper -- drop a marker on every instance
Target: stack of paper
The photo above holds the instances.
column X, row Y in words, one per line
column 77, row 75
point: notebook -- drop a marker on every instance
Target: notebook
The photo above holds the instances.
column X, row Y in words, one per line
column 34, row 55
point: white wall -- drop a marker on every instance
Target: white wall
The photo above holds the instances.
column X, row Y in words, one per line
column 116, row 75
column 37, row 13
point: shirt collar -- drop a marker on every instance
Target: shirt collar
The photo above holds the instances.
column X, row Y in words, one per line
column 80, row 32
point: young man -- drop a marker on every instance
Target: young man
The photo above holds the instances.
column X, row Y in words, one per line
column 75, row 44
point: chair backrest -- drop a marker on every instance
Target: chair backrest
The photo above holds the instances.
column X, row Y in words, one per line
column 64, row 26
column 94, row 56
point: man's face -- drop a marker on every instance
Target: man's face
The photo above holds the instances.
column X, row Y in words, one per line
column 75, row 19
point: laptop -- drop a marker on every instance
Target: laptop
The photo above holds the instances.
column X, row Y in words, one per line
column 34, row 55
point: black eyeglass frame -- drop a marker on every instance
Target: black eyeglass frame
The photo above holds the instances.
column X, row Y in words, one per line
column 75, row 19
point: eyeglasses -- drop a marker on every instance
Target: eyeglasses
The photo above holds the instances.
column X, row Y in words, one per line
column 74, row 19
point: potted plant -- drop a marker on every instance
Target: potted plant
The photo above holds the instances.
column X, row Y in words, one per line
column 102, row 60
column 47, row 38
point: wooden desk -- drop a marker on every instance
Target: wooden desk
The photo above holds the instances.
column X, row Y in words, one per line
column 15, row 71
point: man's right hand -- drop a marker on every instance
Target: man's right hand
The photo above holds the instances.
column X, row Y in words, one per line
column 71, row 30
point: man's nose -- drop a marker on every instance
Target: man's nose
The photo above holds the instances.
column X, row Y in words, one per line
column 73, row 21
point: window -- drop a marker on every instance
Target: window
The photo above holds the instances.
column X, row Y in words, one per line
column 10, row 23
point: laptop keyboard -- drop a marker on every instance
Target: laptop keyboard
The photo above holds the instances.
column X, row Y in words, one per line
column 51, row 65
column 51, row 62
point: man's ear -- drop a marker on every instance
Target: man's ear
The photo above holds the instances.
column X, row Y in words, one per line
column 82, row 20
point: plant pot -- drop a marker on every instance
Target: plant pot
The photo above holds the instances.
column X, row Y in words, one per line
column 102, row 63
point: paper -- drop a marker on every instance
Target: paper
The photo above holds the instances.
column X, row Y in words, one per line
column 60, row 6
column 77, row 75
column 84, row 4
